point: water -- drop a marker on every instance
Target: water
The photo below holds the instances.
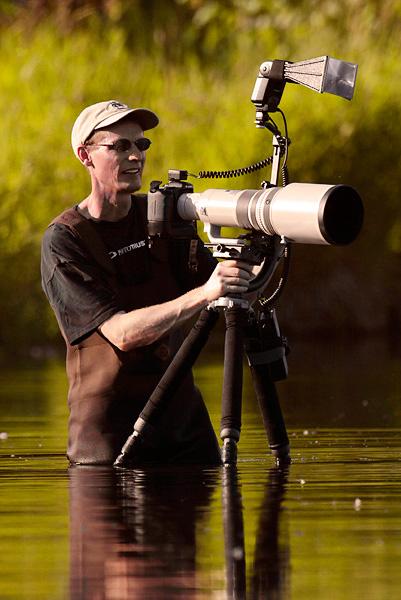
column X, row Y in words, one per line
column 327, row 527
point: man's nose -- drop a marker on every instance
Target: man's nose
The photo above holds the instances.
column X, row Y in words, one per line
column 135, row 153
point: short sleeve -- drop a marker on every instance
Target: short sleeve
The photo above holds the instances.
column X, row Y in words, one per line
column 77, row 289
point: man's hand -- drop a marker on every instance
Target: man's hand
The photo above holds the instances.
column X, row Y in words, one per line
column 229, row 277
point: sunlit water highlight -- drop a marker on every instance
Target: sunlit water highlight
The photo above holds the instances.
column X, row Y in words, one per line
column 327, row 527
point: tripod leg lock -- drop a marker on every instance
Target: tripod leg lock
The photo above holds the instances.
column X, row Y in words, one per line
column 140, row 426
column 229, row 452
column 230, row 437
column 230, row 432
column 129, row 444
column 281, row 453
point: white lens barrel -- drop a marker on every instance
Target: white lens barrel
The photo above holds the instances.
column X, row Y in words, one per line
column 304, row 213
column 218, row 207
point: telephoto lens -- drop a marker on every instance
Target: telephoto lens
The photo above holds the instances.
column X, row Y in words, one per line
column 304, row 213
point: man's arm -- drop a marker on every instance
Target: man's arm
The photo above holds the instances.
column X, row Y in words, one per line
column 144, row 326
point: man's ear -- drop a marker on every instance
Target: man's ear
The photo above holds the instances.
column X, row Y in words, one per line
column 84, row 156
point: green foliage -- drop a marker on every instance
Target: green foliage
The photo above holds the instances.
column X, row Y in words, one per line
column 194, row 62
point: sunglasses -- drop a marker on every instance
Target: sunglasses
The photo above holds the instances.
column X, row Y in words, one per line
column 124, row 145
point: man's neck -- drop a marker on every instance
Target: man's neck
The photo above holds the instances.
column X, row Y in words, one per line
column 103, row 209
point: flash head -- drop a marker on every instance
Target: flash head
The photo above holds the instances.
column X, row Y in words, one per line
column 322, row 74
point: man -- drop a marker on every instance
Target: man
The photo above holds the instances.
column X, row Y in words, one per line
column 121, row 302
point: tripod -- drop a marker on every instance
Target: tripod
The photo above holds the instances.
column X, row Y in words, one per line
column 265, row 350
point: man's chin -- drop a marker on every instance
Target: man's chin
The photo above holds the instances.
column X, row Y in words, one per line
column 131, row 187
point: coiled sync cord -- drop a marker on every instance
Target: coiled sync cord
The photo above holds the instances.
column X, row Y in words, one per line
column 261, row 164
column 235, row 172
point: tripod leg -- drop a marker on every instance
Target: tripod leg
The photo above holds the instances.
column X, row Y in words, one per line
column 272, row 416
column 232, row 383
column 179, row 366
column 266, row 349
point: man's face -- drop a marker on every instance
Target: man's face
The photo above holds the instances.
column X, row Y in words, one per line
column 116, row 170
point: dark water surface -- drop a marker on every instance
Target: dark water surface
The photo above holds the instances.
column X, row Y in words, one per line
column 327, row 527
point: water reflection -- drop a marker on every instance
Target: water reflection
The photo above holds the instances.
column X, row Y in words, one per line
column 268, row 575
column 133, row 534
column 234, row 543
column 270, row 571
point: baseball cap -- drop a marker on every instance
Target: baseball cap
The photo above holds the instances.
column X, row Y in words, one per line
column 105, row 113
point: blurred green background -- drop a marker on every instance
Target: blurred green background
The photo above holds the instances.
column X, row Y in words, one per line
column 195, row 62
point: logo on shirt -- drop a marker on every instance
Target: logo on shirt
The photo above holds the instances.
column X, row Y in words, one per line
column 134, row 246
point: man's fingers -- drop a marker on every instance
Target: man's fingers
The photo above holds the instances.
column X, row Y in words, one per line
column 235, row 271
column 245, row 274
column 229, row 277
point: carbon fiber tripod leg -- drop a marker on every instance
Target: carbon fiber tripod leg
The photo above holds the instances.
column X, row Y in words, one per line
column 266, row 352
column 179, row 366
column 272, row 416
column 232, row 383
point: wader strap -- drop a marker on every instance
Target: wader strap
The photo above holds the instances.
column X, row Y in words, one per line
column 193, row 258
column 83, row 228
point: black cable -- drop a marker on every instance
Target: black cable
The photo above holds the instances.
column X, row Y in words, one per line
column 266, row 162
column 284, row 141
column 235, row 172
column 271, row 125
column 267, row 302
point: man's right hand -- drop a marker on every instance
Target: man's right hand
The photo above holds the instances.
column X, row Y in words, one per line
column 229, row 277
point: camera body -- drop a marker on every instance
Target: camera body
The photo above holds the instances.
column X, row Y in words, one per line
column 162, row 209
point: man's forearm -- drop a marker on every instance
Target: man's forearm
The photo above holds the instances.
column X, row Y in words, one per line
column 144, row 326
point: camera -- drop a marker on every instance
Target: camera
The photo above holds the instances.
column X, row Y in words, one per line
column 306, row 213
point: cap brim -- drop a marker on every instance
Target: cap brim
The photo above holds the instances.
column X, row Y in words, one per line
column 143, row 116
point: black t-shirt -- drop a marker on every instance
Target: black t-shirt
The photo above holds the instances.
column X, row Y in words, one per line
column 77, row 286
